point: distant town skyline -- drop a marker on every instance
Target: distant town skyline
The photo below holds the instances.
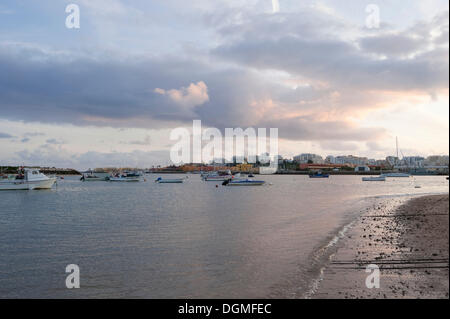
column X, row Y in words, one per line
column 109, row 92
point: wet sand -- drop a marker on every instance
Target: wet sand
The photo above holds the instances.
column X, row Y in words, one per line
column 407, row 239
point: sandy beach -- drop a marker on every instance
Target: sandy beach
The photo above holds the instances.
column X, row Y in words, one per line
column 407, row 239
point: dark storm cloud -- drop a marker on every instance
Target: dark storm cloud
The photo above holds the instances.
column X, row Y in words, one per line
column 341, row 74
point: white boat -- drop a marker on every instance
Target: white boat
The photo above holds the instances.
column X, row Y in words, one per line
column 374, row 179
column 219, row 176
column 396, row 175
column 32, row 178
column 124, row 178
column 243, row 182
column 169, row 180
column 93, row 176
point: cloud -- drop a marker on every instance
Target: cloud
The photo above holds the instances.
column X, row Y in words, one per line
column 54, row 141
column 338, row 146
column 33, row 134
column 5, row 135
column 308, row 129
column 338, row 61
column 309, row 73
column 145, row 141
column 193, row 95
column 374, row 146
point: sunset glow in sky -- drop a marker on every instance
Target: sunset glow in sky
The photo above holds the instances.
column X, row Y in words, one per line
column 109, row 93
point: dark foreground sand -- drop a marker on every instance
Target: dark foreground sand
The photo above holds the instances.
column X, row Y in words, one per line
column 409, row 244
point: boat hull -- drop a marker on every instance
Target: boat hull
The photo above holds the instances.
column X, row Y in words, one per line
column 120, row 179
column 244, row 183
column 374, row 179
column 170, row 182
column 217, row 178
column 403, row 175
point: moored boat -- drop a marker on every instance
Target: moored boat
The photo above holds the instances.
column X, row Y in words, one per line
column 169, row 180
column 30, row 178
column 319, row 175
column 125, row 178
column 242, row 182
column 374, row 179
column 396, row 175
column 217, row 176
column 94, row 176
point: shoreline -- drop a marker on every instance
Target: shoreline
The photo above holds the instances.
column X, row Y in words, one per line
column 406, row 238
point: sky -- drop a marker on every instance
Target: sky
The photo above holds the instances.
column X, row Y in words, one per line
column 110, row 92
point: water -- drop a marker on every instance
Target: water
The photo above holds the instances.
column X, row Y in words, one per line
column 191, row 240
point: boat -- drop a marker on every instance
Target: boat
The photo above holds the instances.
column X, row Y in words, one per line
column 125, row 178
column 374, row 179
column 27, row 179
column 319, row 175
column 218, row 176
column 396, row 174
column 169, row 180
column 94, row 176
column 242, row 182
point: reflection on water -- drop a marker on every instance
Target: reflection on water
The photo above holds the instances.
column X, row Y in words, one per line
column 148, row 240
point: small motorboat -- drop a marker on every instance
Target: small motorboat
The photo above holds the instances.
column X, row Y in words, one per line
column 94, row 176
column 169, row 180
column 242, row 182
column 319, row 175
column 125, row 178
column 374, row 179
column 219, row 176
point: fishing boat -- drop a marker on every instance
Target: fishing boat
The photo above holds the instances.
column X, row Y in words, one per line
column 27, row 179
column 242, row 182
column 169, row 180
column 374, row 179
column 93, row 176
column 319, row 175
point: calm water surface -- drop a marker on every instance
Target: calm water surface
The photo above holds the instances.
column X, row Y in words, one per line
column 148, row 240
